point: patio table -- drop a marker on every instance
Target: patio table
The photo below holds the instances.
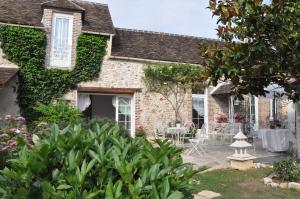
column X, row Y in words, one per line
column 276, row 140
column 176, row 133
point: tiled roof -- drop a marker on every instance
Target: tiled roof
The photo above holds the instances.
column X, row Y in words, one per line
column 222, row 89
column 62, row 4
column 157, row 46
column 6, row 74
column 29, row 12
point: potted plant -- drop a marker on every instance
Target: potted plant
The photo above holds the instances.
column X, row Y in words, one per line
column 177, row 124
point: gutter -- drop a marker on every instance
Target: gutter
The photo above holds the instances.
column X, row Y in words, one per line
column 148, row 60
column 23, row 26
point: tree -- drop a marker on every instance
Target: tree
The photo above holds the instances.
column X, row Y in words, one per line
column 260, row 46
column 173, row 81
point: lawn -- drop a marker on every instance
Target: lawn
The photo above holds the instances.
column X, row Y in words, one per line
column 233, row 184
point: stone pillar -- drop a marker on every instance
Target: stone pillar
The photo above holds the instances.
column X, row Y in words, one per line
column 297, row 109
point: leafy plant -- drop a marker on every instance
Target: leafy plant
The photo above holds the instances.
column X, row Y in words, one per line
column 287, row 168
column 97, row 163
column 26, row 48
column 58, row 112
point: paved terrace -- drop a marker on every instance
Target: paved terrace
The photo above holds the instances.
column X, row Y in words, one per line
column 215, row 156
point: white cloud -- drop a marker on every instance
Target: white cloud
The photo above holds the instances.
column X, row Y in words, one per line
column 188, row 17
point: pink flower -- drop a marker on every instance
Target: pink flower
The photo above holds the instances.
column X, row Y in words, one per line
column 13, row 130
column 7, row 117
column 20, row 118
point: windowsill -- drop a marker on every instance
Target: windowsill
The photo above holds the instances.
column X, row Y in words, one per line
column 59, row 67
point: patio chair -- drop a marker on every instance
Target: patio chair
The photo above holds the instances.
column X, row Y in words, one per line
column 197, row 143
column 190, row 133
column 159, row 132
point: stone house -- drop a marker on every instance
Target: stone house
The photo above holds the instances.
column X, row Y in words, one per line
column 119, row 93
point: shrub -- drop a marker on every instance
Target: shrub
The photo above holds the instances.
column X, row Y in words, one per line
column 58, row 112
column 97, row 163
column 102, row 121
column 287, row 169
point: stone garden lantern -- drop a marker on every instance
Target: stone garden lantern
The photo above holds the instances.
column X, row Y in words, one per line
column 241, row 160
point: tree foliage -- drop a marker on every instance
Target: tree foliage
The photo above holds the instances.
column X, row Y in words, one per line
column 261, row 45
column 173, row 81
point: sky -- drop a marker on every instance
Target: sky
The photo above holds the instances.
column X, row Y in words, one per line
column 186, row 17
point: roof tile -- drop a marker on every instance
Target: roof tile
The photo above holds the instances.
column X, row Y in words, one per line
column 30, row 12
column 157, row 46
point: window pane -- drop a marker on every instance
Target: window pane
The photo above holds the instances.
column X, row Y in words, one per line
column 61, row 38
column 198, row 111
column 124, row 112
column 121, row 117
column 124, row 101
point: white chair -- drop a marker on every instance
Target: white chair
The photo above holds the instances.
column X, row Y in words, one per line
column 197, row 143
column 159, row 132
column 189, row 132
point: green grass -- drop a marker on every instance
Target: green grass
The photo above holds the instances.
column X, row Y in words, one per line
column 233, row 184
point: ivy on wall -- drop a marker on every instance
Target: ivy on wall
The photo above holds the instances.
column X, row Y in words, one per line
column 26, row 47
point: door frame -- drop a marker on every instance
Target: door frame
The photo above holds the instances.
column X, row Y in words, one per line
column 204, row 96
column 132, row 108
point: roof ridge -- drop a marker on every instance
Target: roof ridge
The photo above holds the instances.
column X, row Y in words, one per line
column 165, row 33
column 70, row 1
column 92, row 2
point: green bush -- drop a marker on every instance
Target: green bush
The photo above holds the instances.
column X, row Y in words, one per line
column 58, row 112
column 287, row 168
column 97, row 163
column 102, row 121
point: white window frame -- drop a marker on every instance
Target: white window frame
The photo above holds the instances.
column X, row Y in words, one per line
column 256, row 118
column 67, row 62
column 131, row 110
column 204, row 96
column 272, row 116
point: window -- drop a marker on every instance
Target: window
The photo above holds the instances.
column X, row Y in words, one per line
column 124, row 111
column 252, row 110
column 61, row 45
column 198, row 111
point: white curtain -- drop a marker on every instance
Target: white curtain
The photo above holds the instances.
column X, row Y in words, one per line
column 61, row 38
column 84, row 101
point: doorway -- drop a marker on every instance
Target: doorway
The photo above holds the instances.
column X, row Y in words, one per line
column 115, row 107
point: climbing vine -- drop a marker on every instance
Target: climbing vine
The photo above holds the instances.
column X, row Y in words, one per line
column 26, row 47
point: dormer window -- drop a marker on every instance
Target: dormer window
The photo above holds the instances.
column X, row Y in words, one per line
column 61, row 42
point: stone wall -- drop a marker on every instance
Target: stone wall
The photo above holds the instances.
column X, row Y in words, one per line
column 217, row 105
column 151, row 110
column 8, row 98
column 8, row 95
column 264, row 112
column 297, row 108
